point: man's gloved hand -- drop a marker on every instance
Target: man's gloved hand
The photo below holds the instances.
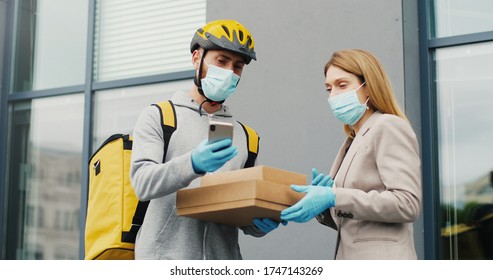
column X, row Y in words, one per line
column 267, row 225
column 319, row 179
column 209, row 157
column 316, row 200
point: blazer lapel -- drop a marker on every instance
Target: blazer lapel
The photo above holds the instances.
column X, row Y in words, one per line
column 343, row 159
column 340, row 156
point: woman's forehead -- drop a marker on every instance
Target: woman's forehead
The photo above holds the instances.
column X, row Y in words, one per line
column 335, row 73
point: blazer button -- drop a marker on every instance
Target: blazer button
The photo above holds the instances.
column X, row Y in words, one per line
column 350, row 216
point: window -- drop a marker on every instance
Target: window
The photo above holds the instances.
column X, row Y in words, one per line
column 45, row 135
column 64, row 252
column 47, row 72
column 3, row 25
column 50, row 44
column 117, row 110
column 463, row 81
column 459, row 17
column 144, row 37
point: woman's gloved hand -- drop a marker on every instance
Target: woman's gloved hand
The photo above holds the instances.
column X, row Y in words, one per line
column 267, row 225
column 319, row 179
column 316, row 200
column 209, row 157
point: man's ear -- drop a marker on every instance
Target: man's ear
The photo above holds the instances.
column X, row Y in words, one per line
column 196, row 56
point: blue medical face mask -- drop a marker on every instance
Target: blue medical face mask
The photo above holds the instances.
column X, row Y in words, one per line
column 346, row 106
column 219, row 83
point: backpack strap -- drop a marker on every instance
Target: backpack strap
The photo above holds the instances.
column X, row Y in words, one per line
column 252, row 143
column 168, row 123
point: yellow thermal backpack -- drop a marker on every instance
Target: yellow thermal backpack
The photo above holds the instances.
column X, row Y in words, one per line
column 114, row 213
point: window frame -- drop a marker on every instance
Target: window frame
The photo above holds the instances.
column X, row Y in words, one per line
column 430, row 157
column 89, row 88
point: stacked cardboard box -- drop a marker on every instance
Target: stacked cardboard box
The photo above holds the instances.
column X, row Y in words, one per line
column 237, row 197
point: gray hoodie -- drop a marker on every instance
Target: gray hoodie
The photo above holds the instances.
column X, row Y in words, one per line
column 164, row 235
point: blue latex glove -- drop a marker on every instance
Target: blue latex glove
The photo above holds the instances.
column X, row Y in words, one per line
column 316, row 200
column 267, row 225
column 319, row 179
column 209, row 157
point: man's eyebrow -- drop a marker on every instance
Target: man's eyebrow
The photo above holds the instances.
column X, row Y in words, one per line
column 231, row 58
column 225, row 57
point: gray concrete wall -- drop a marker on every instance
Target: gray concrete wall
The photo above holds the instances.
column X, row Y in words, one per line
column 282, row 95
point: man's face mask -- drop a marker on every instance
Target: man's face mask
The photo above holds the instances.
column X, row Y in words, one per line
column 219, row 83
column 346, row 106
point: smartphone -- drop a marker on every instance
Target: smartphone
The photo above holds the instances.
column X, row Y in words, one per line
column 220, row 130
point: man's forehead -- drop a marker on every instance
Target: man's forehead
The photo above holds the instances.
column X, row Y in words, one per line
column 228, row 54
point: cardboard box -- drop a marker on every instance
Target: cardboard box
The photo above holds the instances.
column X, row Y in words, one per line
column 264, row 173
column 237, row 197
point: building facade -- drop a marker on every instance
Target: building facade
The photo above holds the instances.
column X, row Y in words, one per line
column 74, row 72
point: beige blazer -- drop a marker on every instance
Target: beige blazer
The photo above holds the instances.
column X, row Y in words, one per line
column 378, row 191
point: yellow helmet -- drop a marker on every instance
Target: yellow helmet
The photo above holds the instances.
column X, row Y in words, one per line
column 225, row 35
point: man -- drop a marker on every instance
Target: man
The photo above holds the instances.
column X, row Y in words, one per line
column 220, row 50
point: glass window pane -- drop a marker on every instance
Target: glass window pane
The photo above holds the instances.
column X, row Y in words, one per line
column 144, row 37
column 117, row 110
column 51, row 43
column 463, row 80
column 459, row 17
column 3, row 23
column 45, row 155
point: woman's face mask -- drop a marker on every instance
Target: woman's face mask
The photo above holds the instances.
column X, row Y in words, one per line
column 219, row 83
column 346, row 106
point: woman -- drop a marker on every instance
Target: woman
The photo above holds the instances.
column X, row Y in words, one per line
column 376, row 193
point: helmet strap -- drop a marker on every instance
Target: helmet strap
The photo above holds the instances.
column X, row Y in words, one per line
column 197, row 80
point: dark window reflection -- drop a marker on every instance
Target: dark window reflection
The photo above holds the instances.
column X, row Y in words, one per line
column 44, row 178
column 464, row 79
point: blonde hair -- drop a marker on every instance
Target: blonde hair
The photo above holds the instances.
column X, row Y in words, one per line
column 368, row 69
